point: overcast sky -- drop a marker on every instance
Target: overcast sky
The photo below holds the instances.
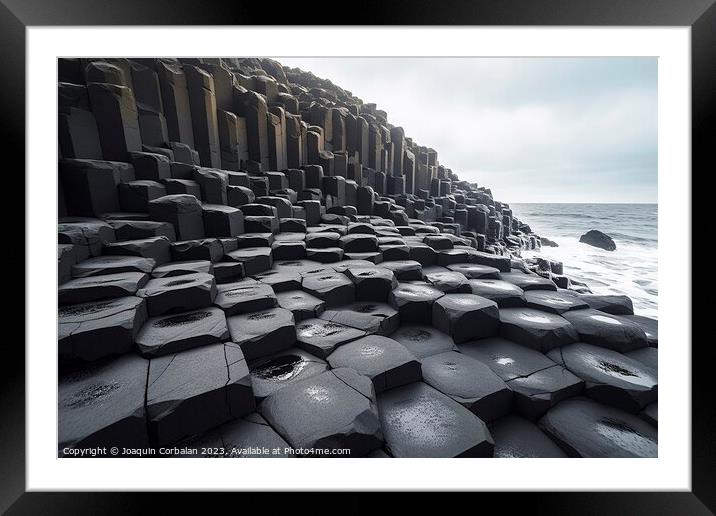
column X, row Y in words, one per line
column 532, row 129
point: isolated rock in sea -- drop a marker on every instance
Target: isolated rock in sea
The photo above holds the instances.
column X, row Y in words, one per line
column 546, row 242
column 598, row 239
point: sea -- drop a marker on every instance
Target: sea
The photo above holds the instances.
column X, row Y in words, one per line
column 630, row 270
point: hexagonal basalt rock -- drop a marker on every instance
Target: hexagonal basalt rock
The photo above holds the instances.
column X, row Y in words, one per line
column 507, row 359
column 334, row 288
column 649, row 325
column 469, row 382
column 585, row 428
column 537, row 329
column 516, row 437
column 534, row 394
column 255, row 259
column 184, row 267
column 103, row 405
column 177, row 332
column 528, row 281
column 102, row 265
column 466, row 316
column 615, row 305
column 405, row 270
column 386, row 362
column 646, row 356
column 280, row 281
column 90, row 331
column 505, row 294
column 475, row 271
column 553, row 302
column 414, row 301
column 195, row 390
column 609, row 376
column 269, row 374
column 302, row 304
column 95, row 288
column 178, row 294
column 609, row 331
column 448, row 282
column 320, row 337
column 372, row 283
column 358, row 243
column 377, row 318
column 424, row 341
column 245, row 296
column 335, row 409
column 263, row 333
column 419, row 421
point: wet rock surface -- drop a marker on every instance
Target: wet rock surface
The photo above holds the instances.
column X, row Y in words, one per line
column 419, row 421
column 585, row 428
column 237, row 236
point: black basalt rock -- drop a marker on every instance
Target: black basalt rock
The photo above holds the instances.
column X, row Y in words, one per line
column 598, row 239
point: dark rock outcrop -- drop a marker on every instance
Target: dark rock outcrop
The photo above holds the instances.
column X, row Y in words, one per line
column 596, row 238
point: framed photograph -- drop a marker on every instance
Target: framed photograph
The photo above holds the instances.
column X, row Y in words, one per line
column 449, row 235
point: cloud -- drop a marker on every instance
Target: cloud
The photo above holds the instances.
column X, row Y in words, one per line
column 532, row 129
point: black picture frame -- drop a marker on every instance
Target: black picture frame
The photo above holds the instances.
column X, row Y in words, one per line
column 17, row 15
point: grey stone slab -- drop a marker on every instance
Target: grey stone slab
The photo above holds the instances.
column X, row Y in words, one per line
column 466, row 316
column 499, row 262
column 506, row 295
column 584, row 428
column 254, row 240
column 506, row 358
column 332, row 287
column 424, row 341
column 371, row 317
column 209, row 249
column 178, row 294
column 609, row 331
column 386, row 362
column 280, row 281
column 135, row 229
column 325, row 255
column 536, row 329
column 156, row 248
column 263, row 333
column 517, row 438
column 554, row 302
column 414, row 301
column 336, row 409
column 95, row 288
column 196, row 390
column 421, row 422
column 135, row 196
column 302, row 304
column 448, row 281
column 359, row 243
column 610, row 377
column 102, row 404
column 287, row 250
column 255, row 259
column 269, row 374
column 404, row 270
column 174, row 333
column 183, row 211
column 90, row 331
column 372, row 283
column 469, row 382
column 320, row 337
column 615, row 305
column 536, row 393
column 171, row 269
column 222, row 221
column 475, row 271
column 102, row 265
column 245, row 296
column 647, row 356
column 649, row 325
column 89, row 235
column 528, row 281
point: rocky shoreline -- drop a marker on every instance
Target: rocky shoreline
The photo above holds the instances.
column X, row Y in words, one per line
column 254, row 262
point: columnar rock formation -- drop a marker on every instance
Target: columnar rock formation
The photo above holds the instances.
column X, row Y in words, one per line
column 252, row 257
